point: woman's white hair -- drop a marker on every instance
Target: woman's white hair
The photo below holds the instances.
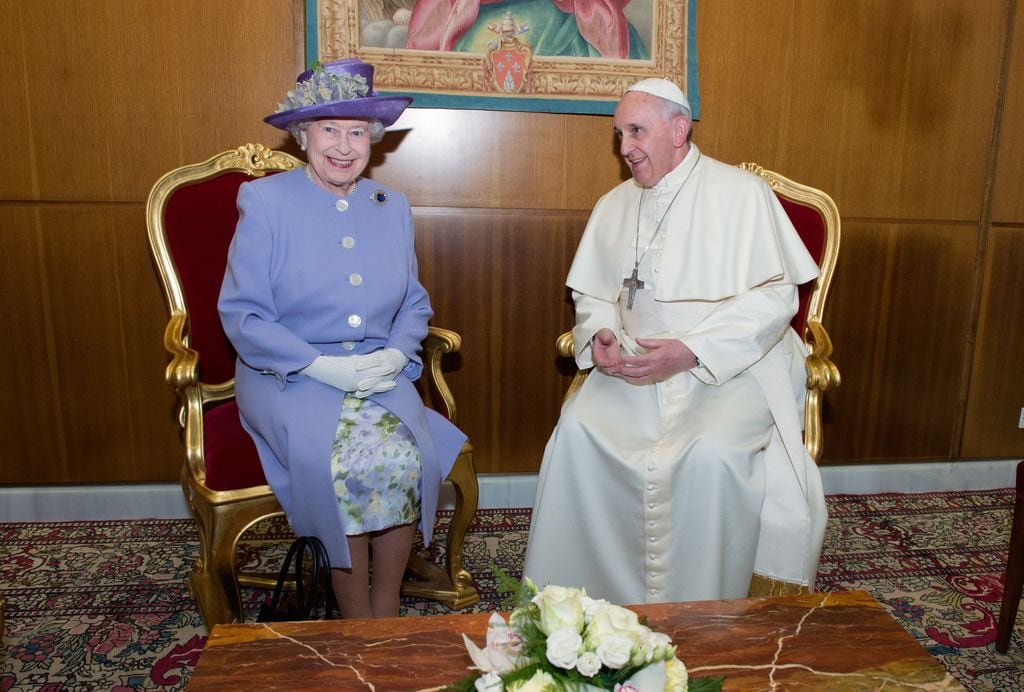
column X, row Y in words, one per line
column 376, row 129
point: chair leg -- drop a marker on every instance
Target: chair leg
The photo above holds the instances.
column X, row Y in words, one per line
column 467, row 497
column 1014, row 578
column 452, row 586
column 213, row 581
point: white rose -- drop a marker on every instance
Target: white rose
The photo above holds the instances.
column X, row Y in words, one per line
column 654, row 646
column 538, row 683
column 591, row 606
column 614, row 621
column 676, row 678
column 588, row 664
column 614, row 651
column 560, row 607
column 490, row 682
column 564, row 647
column 662, row 648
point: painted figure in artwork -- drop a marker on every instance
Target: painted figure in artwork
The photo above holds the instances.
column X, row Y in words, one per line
column 568, row 28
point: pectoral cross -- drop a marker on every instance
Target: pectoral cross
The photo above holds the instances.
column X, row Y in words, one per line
column 632, row 283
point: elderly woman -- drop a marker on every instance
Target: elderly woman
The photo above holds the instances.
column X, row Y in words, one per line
column 322, row 302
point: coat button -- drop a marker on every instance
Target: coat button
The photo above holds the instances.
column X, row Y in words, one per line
column 354, row 320
column 355, row 279
column 348, row 242
column 341, row 205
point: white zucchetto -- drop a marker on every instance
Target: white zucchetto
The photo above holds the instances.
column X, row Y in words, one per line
column 662, row 88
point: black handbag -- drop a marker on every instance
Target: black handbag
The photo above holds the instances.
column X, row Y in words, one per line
column 307, row 567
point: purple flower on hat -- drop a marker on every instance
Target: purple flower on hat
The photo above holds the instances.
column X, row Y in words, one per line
column 337, row 89
column 324, row 87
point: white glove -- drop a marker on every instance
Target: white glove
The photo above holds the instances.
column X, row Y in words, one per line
column 391, row 359
column 355, row 374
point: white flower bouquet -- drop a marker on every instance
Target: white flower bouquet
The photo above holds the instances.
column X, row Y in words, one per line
column 561, row 639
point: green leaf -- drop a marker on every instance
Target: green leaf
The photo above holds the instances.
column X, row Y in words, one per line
column 466, row 684
column 708, row 684
column 519, row 592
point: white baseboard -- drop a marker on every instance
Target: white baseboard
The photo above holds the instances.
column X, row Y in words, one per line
column 497, row 491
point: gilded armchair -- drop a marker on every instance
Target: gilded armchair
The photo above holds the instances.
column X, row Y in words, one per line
column 816, row 219
column 191, row 216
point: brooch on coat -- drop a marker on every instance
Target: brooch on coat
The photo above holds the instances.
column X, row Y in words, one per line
column 379, row 197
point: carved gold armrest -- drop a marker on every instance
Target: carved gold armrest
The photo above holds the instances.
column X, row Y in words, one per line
column 822, row 373
column 566, row 349
column 439, row 342
column 565, row 345
column 183, row 370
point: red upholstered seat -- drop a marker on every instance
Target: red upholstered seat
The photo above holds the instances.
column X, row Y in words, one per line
column 231, row 459
column 199, row 221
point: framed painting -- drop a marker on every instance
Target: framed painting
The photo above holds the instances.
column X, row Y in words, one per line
column 553, row 56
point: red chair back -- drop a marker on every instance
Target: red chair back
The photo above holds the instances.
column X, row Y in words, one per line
column 192, row 214
column 199, row 222
column 811, row 226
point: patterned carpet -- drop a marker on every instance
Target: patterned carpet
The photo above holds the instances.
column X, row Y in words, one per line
column 104, row 606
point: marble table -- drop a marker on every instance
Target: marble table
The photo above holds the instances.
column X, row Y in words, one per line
column 825, row 641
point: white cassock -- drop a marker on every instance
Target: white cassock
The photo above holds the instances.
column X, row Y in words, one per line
column 683, row 489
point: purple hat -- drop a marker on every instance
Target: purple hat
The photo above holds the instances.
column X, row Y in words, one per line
column 338, row 89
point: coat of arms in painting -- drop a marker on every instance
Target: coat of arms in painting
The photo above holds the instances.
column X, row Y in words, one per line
column 507, row 60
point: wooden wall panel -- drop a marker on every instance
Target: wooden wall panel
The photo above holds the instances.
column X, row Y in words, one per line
column 107, row 339
column 997, row 382
column 118, row 92
column 897, row 315
column 500, row 160
column 497, row 278
column 888, row 106
column 31, row 433
column 1008, row 205
column 871, row 100
column 102, row 99
column 16, row 181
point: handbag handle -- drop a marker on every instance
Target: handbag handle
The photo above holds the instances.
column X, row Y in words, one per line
column 319, row 582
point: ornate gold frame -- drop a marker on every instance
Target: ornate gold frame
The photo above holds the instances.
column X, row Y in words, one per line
column 223, row 516
column 463, row 74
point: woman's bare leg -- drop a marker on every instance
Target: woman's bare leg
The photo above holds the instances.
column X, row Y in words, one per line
column 391, row 549
column 352, row 585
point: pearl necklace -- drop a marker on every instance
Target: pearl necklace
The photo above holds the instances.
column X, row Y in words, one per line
column 346, row 193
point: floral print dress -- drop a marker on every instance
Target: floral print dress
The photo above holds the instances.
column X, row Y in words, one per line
column 375, row 465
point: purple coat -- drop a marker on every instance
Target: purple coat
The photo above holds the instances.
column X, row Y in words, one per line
column 305, row 278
